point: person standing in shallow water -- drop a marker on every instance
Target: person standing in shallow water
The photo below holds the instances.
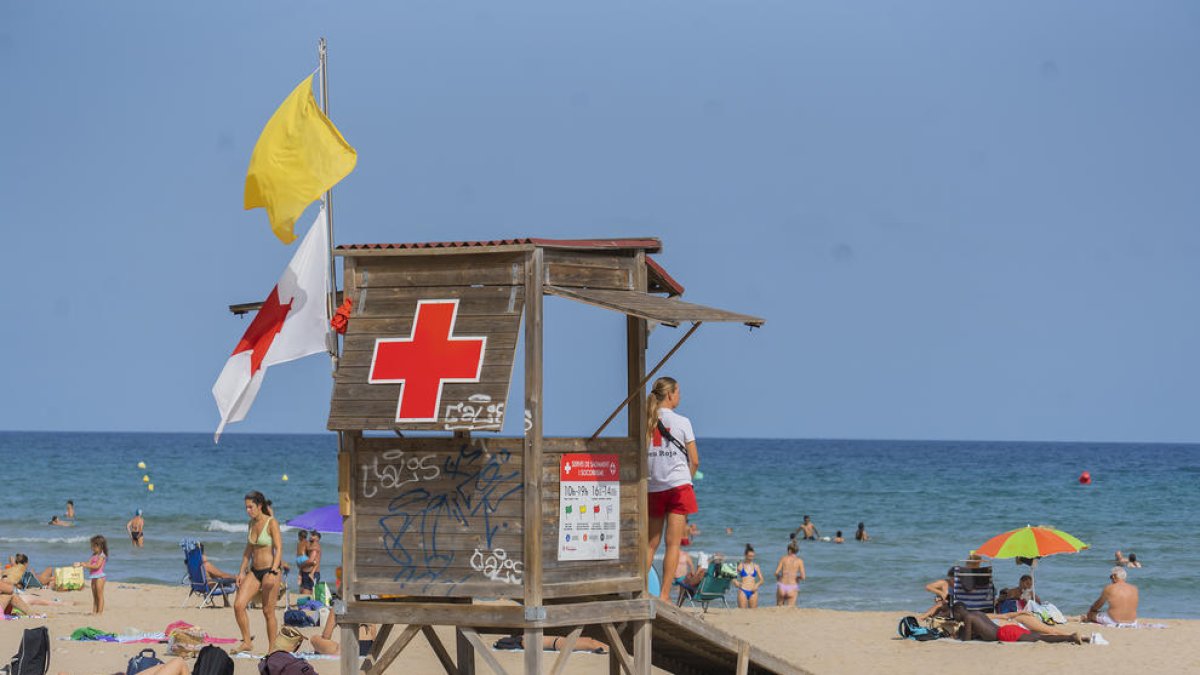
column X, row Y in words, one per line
column 673, row 461
column 261, row 562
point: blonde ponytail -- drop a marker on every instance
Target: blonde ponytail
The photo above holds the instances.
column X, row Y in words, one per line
column 663, row 387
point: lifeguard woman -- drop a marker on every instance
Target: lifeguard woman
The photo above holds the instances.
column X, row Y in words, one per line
column 673, row 461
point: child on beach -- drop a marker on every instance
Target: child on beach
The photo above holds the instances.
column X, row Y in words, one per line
column 95, row 571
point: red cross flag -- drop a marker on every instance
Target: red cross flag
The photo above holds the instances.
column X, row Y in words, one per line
column 291, row 324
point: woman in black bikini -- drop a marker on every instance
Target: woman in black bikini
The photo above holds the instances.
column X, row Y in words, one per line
column 259, row 570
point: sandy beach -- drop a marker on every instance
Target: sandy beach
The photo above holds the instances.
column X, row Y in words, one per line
column 819, row 641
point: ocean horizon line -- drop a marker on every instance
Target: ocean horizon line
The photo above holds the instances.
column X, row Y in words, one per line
column 839, row 439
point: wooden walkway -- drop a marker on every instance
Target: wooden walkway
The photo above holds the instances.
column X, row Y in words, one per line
column 685, row 644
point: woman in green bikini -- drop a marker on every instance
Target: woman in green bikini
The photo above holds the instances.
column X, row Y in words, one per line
column 259, row 570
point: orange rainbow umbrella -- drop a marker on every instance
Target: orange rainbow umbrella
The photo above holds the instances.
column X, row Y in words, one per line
column 1030, row 542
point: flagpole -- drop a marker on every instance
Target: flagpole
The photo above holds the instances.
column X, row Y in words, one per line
column 331, row 300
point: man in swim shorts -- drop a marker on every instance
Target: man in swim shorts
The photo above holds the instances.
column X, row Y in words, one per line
column 1122, row 599
column 135, row 528
column 809, row 530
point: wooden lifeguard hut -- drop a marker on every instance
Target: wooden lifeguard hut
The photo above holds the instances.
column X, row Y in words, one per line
column 528, row 535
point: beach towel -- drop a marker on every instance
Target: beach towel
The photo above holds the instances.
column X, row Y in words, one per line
column 89, row 634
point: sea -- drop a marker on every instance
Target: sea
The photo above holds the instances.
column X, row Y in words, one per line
column 925, row 504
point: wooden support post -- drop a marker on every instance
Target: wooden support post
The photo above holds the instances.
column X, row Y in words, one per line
column 641, row 647
column 348, row 660
column 385, row 631
column 566, row 647
column 743, row 657
column 465, row 652
column 377, row 668
column 488, row 657
column 438, row 648
column 534, row 410
column 616, row 647
column 635, row 363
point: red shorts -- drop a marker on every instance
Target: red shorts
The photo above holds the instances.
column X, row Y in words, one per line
column 681, row 499
column 1011, row 632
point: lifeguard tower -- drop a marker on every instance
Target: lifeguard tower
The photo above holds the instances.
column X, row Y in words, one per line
column 528, row 535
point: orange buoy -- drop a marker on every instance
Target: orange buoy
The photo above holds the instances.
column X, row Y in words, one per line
column 1085, row 478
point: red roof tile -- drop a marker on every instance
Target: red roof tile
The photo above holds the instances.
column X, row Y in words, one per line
column 650, row 244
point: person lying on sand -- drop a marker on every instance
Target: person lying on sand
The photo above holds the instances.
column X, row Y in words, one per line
column 977, row 626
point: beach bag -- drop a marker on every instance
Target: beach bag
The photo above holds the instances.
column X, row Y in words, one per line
column 726, row 571
column 321, row 593
column 68, row 578
column 145, row 659
column 213, row 661
column 298, row 618
column 911, row 629
column 33, row 656
column 283, row 663
column 185, row 642
column 1048, row 613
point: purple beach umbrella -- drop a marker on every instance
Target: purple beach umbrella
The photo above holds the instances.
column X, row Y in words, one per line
column 322, row 519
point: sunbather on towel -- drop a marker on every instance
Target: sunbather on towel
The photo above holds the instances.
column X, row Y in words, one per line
column 977, row 626
column 1122, row 599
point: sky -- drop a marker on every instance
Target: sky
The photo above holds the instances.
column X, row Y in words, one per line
column 960, row 220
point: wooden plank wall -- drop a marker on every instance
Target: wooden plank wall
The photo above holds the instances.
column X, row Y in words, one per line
column 583, row 269
column 568, row 578
column 442, row 517
column 385, row 290
column 438, row 517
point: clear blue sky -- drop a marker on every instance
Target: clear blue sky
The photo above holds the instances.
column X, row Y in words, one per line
column 970, row 222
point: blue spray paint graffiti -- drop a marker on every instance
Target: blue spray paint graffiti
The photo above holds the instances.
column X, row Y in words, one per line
column 481, row 483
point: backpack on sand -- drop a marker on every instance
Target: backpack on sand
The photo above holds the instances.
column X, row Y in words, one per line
column 283, row 663
column 912, row 629
column 144, row 660
column 213, row 661
column 33, row 656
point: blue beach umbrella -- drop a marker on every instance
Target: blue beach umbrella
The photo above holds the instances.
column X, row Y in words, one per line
column 322, row 519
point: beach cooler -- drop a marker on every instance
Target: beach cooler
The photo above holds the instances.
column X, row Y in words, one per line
column 68, row 578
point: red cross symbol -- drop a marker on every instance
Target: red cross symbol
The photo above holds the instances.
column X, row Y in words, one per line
column 427, row 359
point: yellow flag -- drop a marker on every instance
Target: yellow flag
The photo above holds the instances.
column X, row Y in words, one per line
column 299, row 155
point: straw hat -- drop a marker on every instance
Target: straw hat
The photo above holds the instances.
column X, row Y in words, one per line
column 288, row 640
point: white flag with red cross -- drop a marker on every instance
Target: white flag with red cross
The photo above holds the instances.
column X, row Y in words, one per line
column 291, row 324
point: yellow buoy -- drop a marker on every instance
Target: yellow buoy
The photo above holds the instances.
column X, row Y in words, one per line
column 141, row 465
column 145, row 479
column 285, row 477
column 150, row 487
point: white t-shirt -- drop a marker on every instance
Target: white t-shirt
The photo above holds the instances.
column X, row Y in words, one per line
column 669, row 464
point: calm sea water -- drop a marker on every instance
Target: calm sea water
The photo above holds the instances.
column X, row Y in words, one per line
column 926, row 504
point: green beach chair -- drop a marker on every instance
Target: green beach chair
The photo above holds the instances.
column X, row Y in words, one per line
column 713, row 587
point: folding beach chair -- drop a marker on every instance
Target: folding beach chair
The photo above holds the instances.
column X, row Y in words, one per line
column 200, row 584
column 711, row 588
column 973, row 587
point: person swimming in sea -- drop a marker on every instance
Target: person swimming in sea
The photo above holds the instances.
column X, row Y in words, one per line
column 135, row 527
column 809, row 530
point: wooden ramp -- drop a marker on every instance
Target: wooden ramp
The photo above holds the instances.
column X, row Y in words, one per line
column 684, row 643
